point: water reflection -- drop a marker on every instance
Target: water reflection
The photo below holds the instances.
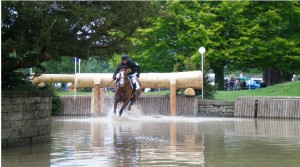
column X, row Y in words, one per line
column 163, row 141
column 26, row 156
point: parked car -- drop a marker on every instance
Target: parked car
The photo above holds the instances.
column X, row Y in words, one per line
column 252, row 84
column 257, row 80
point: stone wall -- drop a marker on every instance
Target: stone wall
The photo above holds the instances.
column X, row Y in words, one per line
column 214, row 108
column 25, row 118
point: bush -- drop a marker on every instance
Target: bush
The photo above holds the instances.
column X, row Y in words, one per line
column 56, row 103
column 209, row 90
column 17, row 81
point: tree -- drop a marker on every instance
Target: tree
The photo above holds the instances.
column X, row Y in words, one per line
column 258, row 37
column 279, row 53
column 171, row 40
column 34, row 32
column 224, row 31
column 237, row 35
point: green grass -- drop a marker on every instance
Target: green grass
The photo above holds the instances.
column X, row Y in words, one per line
column 285, row 89
column 72, row 93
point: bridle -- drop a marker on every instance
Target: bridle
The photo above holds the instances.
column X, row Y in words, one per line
column 122, row 78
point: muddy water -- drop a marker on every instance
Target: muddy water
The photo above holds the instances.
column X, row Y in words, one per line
column 136, row 140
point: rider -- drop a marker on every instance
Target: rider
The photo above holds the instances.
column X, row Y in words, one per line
column 134, row 71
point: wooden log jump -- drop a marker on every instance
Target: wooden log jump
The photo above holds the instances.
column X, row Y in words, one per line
column 97, row 81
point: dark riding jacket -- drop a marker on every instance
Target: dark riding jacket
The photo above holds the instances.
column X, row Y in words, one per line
column 133, row 66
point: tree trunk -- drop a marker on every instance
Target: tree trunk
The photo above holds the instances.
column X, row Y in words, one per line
column 219, row 77
column 272, row 77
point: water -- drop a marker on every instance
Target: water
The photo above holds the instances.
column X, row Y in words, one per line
column 137, row 140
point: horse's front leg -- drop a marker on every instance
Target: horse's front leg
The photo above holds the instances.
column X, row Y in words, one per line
column 123, row 107
column 115, row 106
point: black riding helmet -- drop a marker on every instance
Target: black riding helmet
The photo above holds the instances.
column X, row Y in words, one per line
column 124, row 57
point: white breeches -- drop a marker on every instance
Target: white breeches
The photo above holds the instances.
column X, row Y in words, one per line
column 133, row 79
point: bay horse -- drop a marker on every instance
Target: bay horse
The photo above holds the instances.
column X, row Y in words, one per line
column 123, row 91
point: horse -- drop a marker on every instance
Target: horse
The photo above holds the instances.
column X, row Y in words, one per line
column 123, row 91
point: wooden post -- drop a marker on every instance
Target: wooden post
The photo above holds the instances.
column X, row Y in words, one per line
column 96, row 91
column 97, row 105
column 92, row 102
column 173, row 133
column 101, row 101
column 173, row 97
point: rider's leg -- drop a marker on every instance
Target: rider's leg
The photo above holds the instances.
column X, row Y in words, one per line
column 133, row 79
column 134, row 89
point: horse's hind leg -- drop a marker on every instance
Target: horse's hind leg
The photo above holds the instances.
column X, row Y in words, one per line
column 132, row 101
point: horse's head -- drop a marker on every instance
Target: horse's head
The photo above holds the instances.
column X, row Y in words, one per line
column 123, row 76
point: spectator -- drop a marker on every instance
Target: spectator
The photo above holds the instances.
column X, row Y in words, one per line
column 226, row 84
column 232, row 83
column 243, row 84
column 237, row 84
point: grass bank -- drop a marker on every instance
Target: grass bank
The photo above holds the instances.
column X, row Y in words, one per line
column 285, row 89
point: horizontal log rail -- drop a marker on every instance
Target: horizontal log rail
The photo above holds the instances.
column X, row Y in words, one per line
column 191, row 79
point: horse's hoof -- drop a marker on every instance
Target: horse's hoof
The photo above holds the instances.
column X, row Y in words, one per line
column 132, row 101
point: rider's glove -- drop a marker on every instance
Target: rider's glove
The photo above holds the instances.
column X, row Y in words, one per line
column 114, row 78
column 138, row 75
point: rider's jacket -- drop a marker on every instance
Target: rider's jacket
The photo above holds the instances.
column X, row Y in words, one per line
column 131, row 66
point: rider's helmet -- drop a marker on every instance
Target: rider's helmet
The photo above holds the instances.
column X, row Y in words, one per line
column 124, row 57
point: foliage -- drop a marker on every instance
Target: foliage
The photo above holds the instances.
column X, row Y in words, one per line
column 17, row 81
column 56, row 102
column 209, row 90
column 65, row 65
column 38, row 31
column 171, row 39
column 237, row 36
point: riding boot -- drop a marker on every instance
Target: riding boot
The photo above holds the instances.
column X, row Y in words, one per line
column 132, row 100
column 134, row 90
